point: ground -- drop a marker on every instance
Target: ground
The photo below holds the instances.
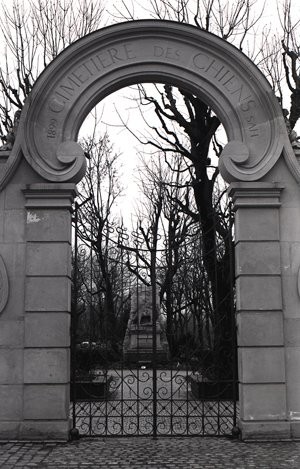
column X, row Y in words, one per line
column 140, row 453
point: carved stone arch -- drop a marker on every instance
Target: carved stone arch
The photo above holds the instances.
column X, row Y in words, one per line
column 148, row 51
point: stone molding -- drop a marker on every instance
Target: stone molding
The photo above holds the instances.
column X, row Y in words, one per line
column 149, row 51
column 255, row 194
column 47, row 196
column 265, row 430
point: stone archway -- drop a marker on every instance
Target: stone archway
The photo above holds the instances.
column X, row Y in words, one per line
column 38, row 179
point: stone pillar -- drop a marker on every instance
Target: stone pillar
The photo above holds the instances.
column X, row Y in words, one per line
column 261, row 352
column 12, row 268
column 47, row 311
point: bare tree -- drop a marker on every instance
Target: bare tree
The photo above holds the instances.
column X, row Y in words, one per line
column 279, row 59
column 274, row 50
column 186, row 127
column 97, row 223
column 143, row 245
column 291, row 60
column 230, row 20
column 33, row 34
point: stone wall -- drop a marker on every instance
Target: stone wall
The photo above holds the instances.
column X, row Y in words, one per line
column 289, row 225
column 267, row 234
column 35, row 246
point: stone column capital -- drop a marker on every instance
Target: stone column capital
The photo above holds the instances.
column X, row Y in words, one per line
column 47, row 196
column 255, row 194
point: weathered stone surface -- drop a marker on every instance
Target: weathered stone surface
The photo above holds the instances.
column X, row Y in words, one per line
column 14, row 258
column 47, row 329
column 46, row 402
column 11, row 366
column 23, row 175
column 15, row 305
column 293, row 399
column 265, row 430
column 290, row 224
column 262, row 365
column 295, row 430
column 291, row 194
column 257, row 224
column 44, row 430
column 291, row 299
column 257, row 293
column 263, row 402
column 1, row 225
column 290, row 254
column 48, row 259
column 257, row 258
column 14, row 198
column 46, row 366
column 48, row 294
column 11, row 398
column 2, row 198
column 293, row 384
column 9, row 429
column 11, row 333
column 14, row 226
column 292, row 332
column 292, row 363
column 48, row 225
column 259, row 328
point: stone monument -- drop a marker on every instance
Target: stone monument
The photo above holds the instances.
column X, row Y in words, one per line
column 138, row 342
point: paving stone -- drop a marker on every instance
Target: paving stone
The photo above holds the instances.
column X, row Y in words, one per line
column 139, row 453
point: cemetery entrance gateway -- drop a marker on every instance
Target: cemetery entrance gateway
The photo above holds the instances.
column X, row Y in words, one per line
column 147, row 365
column 37, row 181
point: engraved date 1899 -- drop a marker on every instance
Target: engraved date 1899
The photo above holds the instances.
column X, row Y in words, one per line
column 52, row 129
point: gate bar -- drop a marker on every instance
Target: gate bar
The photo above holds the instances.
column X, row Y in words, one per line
column 154, row 344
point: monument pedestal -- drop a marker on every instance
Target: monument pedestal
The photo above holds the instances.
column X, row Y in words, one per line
column 138, row 344
column 138, row 341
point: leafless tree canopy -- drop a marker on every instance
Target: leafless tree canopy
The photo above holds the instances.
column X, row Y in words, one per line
column 275, row 49
column 33, row 34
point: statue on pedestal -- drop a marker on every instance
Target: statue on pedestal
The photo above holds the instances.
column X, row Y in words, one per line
column 138, row 342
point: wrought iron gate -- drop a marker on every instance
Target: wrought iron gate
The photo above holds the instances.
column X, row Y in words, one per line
column 151, row 354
